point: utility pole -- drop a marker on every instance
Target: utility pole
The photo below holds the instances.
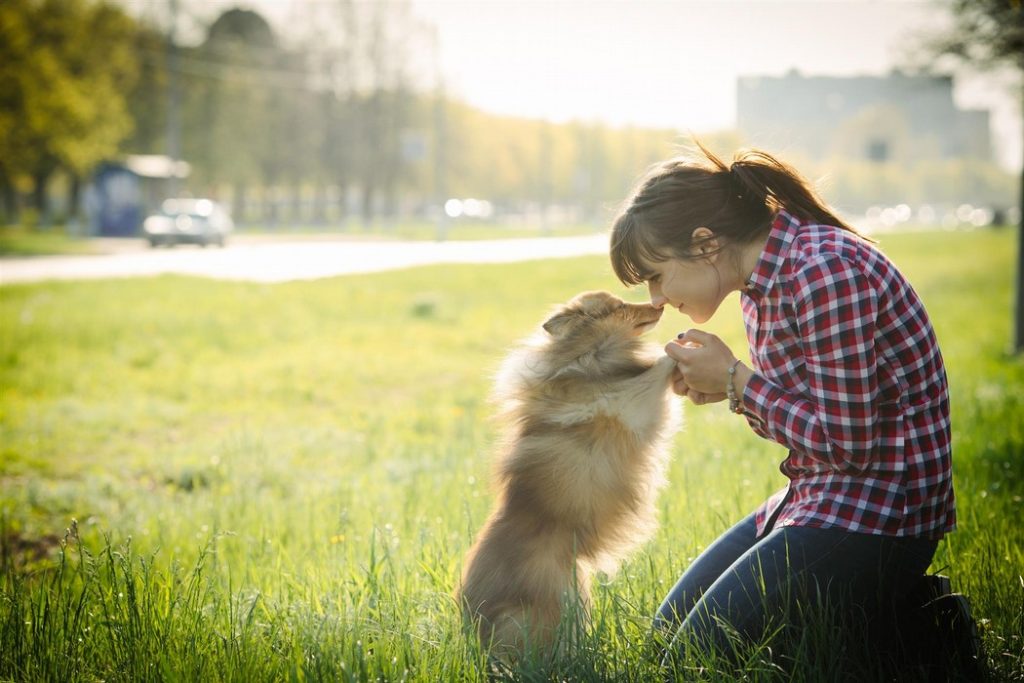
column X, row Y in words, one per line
column 173, row 100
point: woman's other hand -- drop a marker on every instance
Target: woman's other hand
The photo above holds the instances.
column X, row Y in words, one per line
column 702, row 367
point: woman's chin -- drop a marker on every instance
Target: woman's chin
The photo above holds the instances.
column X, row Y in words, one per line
column 693, row 315
column 698, row 318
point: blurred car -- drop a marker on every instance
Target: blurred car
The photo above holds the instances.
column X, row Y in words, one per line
column 188, row 221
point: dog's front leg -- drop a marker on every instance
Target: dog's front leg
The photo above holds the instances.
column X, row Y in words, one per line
column 644, row 398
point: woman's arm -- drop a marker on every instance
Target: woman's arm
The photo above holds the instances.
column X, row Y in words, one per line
column 836, row 422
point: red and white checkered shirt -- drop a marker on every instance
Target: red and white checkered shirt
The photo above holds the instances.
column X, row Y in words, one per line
column 848, row 376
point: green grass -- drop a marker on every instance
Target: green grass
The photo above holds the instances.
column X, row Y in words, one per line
column 279, row 481
column 18, row 241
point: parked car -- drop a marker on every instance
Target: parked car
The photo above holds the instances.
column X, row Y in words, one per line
column 188, row 221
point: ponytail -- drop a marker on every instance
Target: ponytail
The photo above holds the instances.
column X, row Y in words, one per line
column 738, row 202
column 781, row 186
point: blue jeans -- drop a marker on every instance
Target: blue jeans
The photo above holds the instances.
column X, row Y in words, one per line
column 741, row 582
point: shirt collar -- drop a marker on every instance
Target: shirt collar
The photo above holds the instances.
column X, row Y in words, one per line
column 769, row 264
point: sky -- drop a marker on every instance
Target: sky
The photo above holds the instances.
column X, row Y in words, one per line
column 668, row 63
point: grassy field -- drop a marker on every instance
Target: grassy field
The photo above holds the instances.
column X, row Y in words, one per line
column 278, row 482
column 18, row 241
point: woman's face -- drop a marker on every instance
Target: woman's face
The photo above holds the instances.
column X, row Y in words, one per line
column 693, row 287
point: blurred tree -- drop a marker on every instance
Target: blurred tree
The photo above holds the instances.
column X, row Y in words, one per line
column 65, row 66
column 146, row 98
column 383, row 100
column 591, row 167
column 230, row 107
column 989, row 34
column 330, row 45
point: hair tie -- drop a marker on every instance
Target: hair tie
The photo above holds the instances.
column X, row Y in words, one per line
column 738, row 185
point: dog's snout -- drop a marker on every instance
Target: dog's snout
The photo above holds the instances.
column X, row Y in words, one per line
column 651, row 311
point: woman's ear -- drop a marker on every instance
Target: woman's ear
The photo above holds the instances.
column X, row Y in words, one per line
column 705, row 244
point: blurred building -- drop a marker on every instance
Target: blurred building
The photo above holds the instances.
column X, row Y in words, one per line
column 898, row 117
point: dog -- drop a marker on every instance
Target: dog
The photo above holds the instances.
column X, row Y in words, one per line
column 587, row 409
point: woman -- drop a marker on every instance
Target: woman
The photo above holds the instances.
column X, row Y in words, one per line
column 845, row 373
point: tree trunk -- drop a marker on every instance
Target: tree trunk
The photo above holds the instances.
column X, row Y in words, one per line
column 342, row 203
column 238, row 204
column 74, row 196
column 369, row 198
column 40, row 198
column 320, row 204
column 1018, row 337
column 270, row 206
column 297, row 217
column 9, row 213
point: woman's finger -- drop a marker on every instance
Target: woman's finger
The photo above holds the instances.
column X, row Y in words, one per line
column 696, row 338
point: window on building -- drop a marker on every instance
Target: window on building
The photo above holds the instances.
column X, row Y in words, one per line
column 878, row 150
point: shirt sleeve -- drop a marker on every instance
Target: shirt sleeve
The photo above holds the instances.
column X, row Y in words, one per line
column 835, row 421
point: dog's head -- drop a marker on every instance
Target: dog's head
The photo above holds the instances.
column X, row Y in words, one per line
column 601, row 312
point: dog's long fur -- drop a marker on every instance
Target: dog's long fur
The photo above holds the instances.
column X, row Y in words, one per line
column 587, row 410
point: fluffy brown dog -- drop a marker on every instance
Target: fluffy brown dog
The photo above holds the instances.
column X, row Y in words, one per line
column 587, row 409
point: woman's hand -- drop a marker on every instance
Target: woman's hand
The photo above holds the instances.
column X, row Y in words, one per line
column 702, row 367
column 680, row 386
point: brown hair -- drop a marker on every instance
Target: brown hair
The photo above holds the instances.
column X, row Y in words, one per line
column 737, row 203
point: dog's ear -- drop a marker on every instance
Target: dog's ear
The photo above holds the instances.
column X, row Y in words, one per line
column 557, row 323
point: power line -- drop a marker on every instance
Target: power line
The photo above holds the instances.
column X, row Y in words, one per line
column 249, row 74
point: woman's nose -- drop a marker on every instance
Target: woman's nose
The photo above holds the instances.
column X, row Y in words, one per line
column 658, row 299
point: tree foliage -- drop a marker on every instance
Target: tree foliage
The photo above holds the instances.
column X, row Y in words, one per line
column 344, row 109
column 65, row 66
column 985, row 33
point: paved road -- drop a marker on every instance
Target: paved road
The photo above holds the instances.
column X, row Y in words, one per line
column 282, row 261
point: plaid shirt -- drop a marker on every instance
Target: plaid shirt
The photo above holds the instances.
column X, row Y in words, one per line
column 848, row 376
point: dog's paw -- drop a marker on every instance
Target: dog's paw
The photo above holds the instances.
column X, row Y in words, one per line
column 665, row 364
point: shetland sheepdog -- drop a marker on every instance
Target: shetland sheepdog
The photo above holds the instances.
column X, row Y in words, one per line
column 587, row 410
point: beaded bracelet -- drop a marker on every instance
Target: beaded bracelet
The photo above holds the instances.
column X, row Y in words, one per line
column 730, row 390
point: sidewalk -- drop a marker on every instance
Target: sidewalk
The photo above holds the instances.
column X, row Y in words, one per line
column 298, row 260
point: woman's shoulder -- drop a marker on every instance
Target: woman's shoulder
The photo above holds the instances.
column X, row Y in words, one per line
column 815, row 241
column 819, row 239
column 819, row 248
